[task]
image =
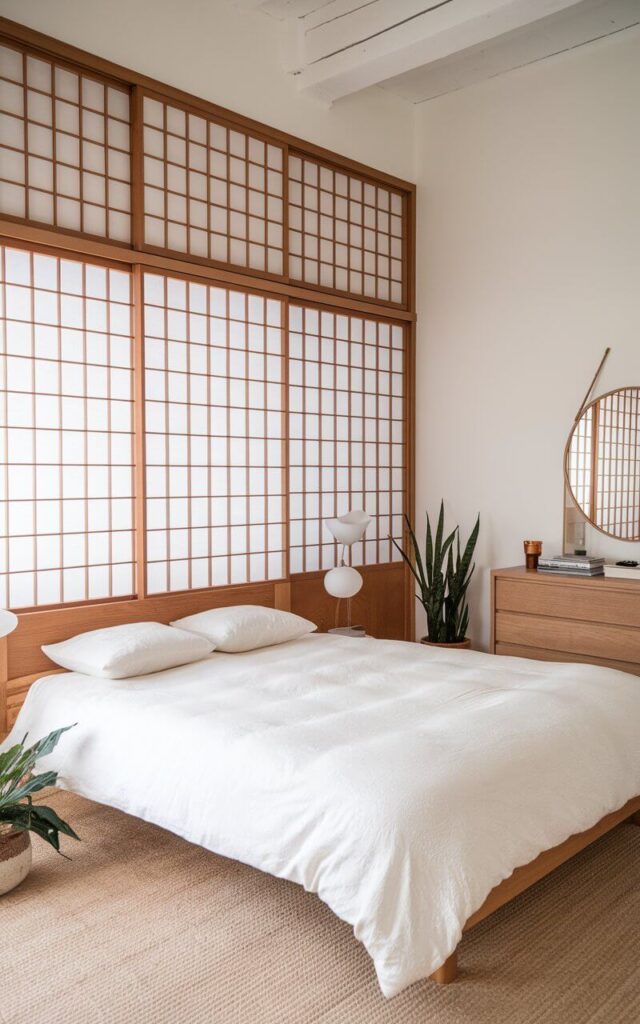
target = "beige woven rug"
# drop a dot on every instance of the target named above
(143, 928)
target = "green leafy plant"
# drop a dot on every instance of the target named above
(442, 577)
(18, 784)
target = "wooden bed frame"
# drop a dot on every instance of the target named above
(22, 663)
(527, 875)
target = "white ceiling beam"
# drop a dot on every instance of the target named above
(343, 50)
(556, 34)
(284, 9)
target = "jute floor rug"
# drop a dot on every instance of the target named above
(143, 928)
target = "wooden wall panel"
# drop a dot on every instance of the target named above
(379, 607)
(50, 626)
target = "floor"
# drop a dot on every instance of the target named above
(140, 926)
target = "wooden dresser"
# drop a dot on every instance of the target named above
(564, 618)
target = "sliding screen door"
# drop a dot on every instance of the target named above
(214, 412)
(346, 433)
(66, 431)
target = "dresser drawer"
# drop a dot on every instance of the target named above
(597, 639)
(568, 602)
(541, 654)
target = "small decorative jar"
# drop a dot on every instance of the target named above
(532, 552)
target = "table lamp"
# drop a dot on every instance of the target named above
(343, 581)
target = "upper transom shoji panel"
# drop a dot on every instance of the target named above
(64, 147)
(345, 233)
(211, 190)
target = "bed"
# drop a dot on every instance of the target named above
(413, 789)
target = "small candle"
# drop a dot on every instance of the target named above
(532, 552)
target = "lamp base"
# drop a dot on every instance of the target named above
(348, 631)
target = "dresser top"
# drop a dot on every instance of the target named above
(520, 572)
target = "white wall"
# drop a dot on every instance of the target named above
(529, 265)
(231, 56)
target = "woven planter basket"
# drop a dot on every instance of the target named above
(462, 645)
(15, 859)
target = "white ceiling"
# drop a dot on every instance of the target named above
(423, 48)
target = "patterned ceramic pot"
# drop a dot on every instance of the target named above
(463, 645)
(15, 859)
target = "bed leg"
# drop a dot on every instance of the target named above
(635, 819)
(448, 972)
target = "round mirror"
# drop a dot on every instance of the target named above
(602, 463)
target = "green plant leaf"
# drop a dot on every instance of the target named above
(33, 785)
(437, 557)
(48, 815)
(45, 831)
(408, 562)
(428, 547)
(48, 743)
(416, 554)
(469, 549)
(9, 758)
(20, 760)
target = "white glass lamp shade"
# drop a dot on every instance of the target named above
(349, 528)
(8, 622)
(343, 581)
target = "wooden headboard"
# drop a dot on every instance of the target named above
(384, 606)
(22, 661)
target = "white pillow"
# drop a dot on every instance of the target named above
(245, 627)
(133, 649)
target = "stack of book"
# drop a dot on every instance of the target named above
(572, 565)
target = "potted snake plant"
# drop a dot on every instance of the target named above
(19, 816)
(442, 575)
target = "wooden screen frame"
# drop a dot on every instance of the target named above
(137, 258)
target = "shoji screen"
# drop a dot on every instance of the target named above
(346, 433)
(211, 190)
(345, 233)
(64, 147)
(214, 409)
(206, 325)
(66, 449)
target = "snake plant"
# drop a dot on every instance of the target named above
(17, 786)
(442, 575)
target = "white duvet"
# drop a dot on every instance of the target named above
(399, 782)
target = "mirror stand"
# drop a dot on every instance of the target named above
(574, 534)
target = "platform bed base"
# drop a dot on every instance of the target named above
(527, 875)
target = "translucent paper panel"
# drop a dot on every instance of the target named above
(344, 233)
(214, 435)
(617, 497)
(210, 190)
(346, 436)
(66, 443)
(64, 147)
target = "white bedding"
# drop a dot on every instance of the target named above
(399, 782)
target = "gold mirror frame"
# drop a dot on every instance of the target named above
(589, 409)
